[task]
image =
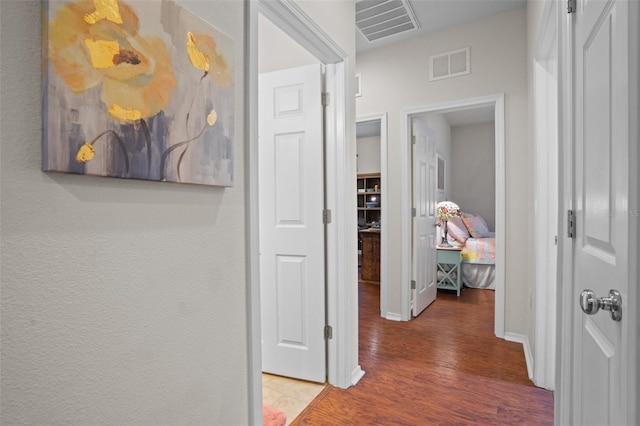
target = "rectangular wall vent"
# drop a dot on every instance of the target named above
(376, 19)
(450, 64)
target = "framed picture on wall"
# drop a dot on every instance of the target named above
(440, 173)
(137, 90)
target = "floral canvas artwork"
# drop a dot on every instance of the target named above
(137, 89)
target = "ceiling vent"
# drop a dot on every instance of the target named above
(378, 19)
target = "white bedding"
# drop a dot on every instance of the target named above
(477, 275)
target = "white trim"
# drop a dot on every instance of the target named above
(546, 208)
(392, 316)
(288, 16)
(252, 220)
(356, 375)
(405, 198)
(342, 312)
(526, 348)
(384, 208)
(564, 338)
(633, 338)
(501, 219)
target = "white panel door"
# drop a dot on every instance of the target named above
(602, 191)
(291, 228)
(424, 229)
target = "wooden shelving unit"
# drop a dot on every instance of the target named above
(369, 198)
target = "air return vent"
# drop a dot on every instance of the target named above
(450, 64)
(377, 19)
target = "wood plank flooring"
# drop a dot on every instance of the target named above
(445, 367)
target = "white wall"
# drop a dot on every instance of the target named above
(397, 77)
(473, 179)
(368, 154)
(123, 302)
(277, 50)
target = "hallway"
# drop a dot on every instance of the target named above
(444, 367)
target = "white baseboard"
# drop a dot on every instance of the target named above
(528, 356)
(356, 375)
(393, 316)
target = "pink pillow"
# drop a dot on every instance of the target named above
(457, 230)
(477, 226)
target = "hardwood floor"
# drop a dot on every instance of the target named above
(445, 367)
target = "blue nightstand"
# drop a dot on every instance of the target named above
(448, 272)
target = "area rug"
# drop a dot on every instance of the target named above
(272, 416)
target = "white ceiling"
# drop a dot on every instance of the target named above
(436, 15)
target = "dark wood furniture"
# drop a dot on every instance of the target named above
(370, 271)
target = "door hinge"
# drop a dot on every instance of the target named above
(413, 212)
(571, 6)
(328, 332)
(413, 284)
(571, 224)
(413, 140)
(325, 99)
(326, 216)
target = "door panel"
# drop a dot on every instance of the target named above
(291, 228)
(601, 189)
(424, 230)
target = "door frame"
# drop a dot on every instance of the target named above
(497, 101)
(384, 208)
(547, 214)
(340, 266)
(565, 327)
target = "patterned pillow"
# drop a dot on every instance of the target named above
(477, 226)
(457, 230)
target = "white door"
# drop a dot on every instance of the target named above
(424, 221)
(603, 190)
(291, 227)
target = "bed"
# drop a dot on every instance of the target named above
(478, 249)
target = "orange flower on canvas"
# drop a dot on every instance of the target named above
(96, 42)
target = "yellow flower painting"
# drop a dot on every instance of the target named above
(137, 89)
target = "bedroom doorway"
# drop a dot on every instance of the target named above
(496, 102)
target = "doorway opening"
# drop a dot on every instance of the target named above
(496, 102)
(340, 264)
(372, 130)
(291, 201)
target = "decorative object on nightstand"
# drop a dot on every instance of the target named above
(445, 210)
